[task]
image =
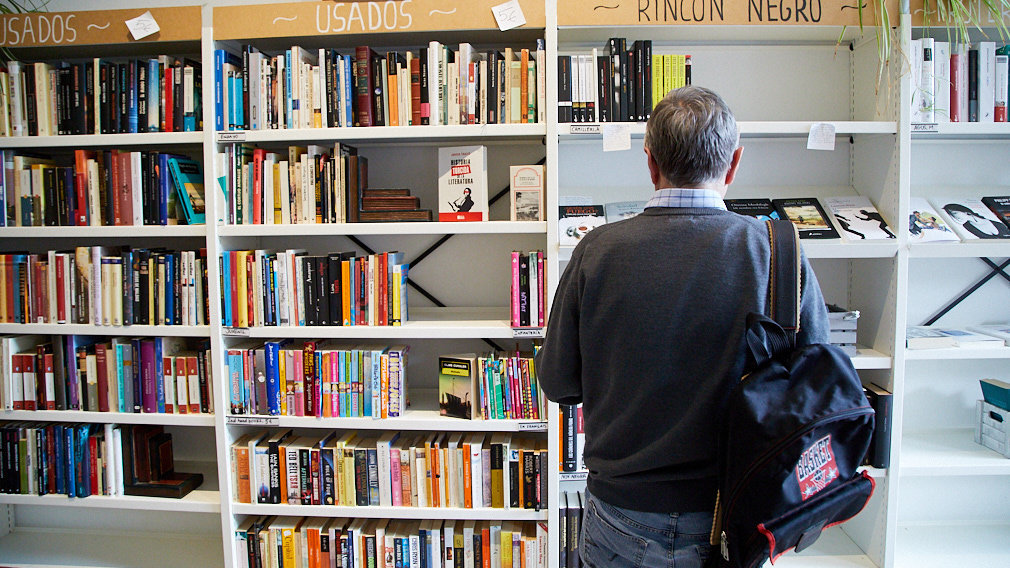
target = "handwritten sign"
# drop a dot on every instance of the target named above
(96, 27)
(509, 15)
(532, 426)
(821, 136)
(584, 129)
(527, 332)
(616, 136)
(925, 127)
(237, 136)
(722, 12)
(373, 16)
(235, 331)
(143, 25)
(253, 420)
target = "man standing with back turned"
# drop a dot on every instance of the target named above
(646, 330)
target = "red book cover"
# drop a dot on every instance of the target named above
(415, 91)
(81, 158)
(381, 291)
(192, 373)
(93, 461)
(125, 188)
(257, 185)
(51, 458)
(28, 368)
(181, 378)
(363, 86)
(114, 190)
(314, 475)
(166, 371)
(471, 79)
(169, 124)
(102, 366)
(309, 369)
(61, 296)
(17, 370)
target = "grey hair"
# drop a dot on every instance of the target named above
(692, 135)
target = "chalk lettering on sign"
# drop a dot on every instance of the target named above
(283, 19)
(682, 10)
(445, 12)
(52, 28)
(606, 7)
(795, 11)
(98, 27)
(337, 17)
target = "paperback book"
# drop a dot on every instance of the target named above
(808, 216)
(188, 178)
(457, 382)
(462, 183)
(761, 209)
(526, 185)
(574, 221)
(971, 219)
(1000, 206)
(929, 337)
(857, 218)
(619, 210)
(925, 225)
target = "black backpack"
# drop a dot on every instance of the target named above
(795, 430)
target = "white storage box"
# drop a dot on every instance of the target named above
(991, 429)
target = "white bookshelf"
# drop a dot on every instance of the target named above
(951, 452)
(158, 139)
(392, 512)
(748, 128)
(427, 134)
(118, 232)
(83, 329)
(205, 420)
(55, 548)
(419, 228)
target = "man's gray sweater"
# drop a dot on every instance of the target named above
(646, 330)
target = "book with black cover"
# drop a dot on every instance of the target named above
(880, 443)
(808, 216)
(174, 486)
(1000, 207)
(759, 208)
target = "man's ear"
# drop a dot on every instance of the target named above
(653, 168)
(733, 165)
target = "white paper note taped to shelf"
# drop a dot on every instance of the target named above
(253, 420)
(821, 137)
(143, 25)
(509, 15)
(616, 136)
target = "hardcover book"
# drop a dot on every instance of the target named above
(925, 225)
(618, 210)
(462, 183)
(1000, 206)
(760, 209)
(808, 216)
(857, 218)
(457, 386)
(971, 219)
(574, 221)
(526, 185)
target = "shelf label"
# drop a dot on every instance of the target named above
(532, 426)
(368, 17)
(92, 27)
(584, 129)
(235, 331)
(573, 476)
(237, 136)
(253, 420)
(925, 127)
(527, 332)
(720, 12)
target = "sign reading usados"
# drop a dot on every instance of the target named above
(339, 17)
(36, 29)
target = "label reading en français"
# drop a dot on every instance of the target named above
(533, 427)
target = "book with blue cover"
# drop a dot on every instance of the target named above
(188, 179)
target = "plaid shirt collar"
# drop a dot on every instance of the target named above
(681, 197)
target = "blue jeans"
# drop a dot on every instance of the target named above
(617, 537)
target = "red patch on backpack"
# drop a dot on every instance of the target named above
(816, 468)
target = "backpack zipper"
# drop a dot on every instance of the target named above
(791, 438)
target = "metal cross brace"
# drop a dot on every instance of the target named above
(441, 241)
(993, 271)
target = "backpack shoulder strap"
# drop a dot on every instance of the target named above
(784, 276)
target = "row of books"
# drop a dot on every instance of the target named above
(81, 460)
(100, 96)
(109, 187)
(165, 375)
(529, 289)
(264, 288)
(313, 542)
(391, 469)
(573, 438)
(504, 385)
(324, 379)
(959, 219)
(302, 88)
(617, 83)
(113, 286)
(957, 82)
